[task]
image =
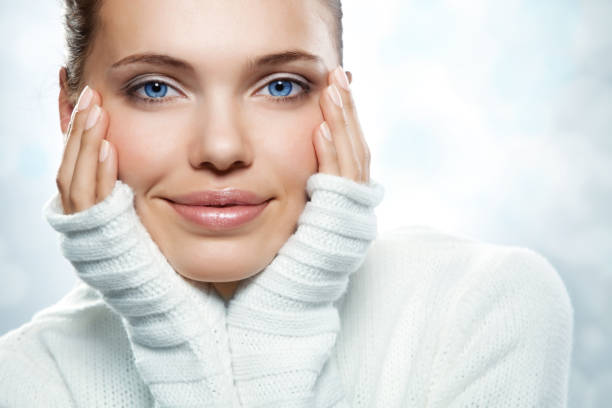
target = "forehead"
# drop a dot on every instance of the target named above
(214, 30)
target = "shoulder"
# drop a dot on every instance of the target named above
(429, 266)
(465, 281)
(417, 256)
(80, 306)
(429, 253)
(64, 344)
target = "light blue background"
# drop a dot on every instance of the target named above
(487, 118)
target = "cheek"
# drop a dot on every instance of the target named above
(285, 141)
(144, 144)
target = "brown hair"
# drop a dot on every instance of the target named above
(80, 25)
(335, 7)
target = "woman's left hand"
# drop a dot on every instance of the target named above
(339, 142)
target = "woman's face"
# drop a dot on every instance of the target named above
(185, 84)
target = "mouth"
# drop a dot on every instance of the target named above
(219, 217)
(219, 198)
(212, 206)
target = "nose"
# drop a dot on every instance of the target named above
(221, 141)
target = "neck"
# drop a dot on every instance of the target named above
(226, 289)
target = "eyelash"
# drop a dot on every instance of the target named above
(131, 91)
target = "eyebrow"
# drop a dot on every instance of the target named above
(283, 58)
(152, 59)
(267, 60)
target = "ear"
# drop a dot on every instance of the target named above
(66, 106)
(349, 74)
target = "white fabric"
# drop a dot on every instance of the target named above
(418, 318)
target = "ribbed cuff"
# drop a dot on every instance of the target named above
(117, 202)
(333, 235)
(366, 195)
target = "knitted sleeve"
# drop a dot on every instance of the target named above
(282, 324)
(170, 323)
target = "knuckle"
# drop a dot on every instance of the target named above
(332, 148)
(348, 101)
(69, 131)
(86, 137)
(78, 197)
(78, 120)
(360, 169)
(72, 121)
(72, 203)
(356, 171)
(367, 155)
(345, 118)
(59, 182)
(75, 125)
(72, 198)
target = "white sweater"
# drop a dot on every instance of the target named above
(426, 319)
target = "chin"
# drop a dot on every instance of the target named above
(217, 276)
(225, 261)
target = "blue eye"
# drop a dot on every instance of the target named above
(280, 88)
(155, 89)
(285, 90)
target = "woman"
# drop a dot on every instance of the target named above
(214, 198)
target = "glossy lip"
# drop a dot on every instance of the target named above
(219, 210)
(218, 198)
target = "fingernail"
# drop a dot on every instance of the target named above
(325, 131)
(104, 150)
(92, 118)
(341, 78)
(84, 99)
(334, 94)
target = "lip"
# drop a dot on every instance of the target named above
(219, 197)
(219, 210)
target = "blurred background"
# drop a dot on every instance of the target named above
(485, 118)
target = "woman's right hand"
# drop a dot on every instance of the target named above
(88, 171)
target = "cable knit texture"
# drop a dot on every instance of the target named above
(415, 317)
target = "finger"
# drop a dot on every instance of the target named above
(360, 145)
(334, 116)
(106, 175)
(72, 145)
(83, 186)
(325, 150)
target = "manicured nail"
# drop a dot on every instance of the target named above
(341, 78)
(84, 99)
(104, 150)
(325, 131)
(92, 118)
(334, 94)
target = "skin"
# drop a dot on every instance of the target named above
(217, 127)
